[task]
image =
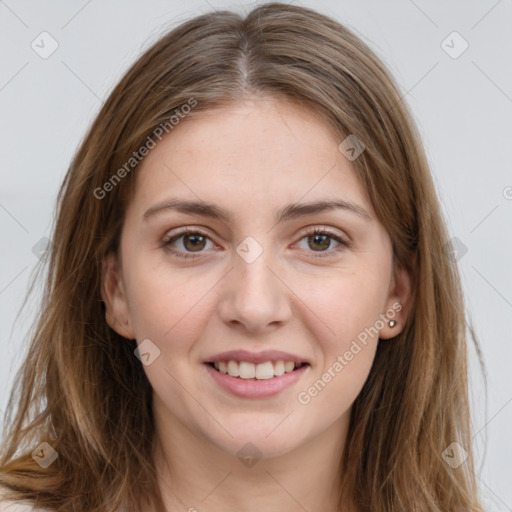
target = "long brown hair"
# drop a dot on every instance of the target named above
(80, 388)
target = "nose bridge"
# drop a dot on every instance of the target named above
(254, 296)
(252, 270)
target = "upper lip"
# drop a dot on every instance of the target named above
(256, 357)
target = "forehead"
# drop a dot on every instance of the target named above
(256, 130)
(260, 153)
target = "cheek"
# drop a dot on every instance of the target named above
(347, 307)
(347, 304)
(167, 306)
(345, 312)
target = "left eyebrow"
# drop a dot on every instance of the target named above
(290, 211)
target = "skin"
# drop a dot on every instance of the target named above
(251, 159)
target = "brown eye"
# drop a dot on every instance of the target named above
(194, 242)
(319, 241)
(186, 243)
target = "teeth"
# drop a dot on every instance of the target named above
(265, 370)
(289, 366)
(261, 371)
(278, 368)
(247, 370)
(233, 369)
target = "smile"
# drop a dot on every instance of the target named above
(262, 371)
(255, 380)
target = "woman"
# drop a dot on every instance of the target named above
(250, 302)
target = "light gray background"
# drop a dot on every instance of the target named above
(463, 107)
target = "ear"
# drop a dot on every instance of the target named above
(397, 305)
(117, 313)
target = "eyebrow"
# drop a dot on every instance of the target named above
(290, 211)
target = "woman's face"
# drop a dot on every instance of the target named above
(252, 278)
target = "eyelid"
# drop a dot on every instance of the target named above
(342, 239)
(186, 230)
(312, 228)
(306, 230)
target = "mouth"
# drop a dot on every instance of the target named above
(259, 380)
(248, 371)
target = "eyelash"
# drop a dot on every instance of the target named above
(166, 243)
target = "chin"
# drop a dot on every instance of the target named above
(258, 441)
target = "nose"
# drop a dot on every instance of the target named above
(254, 296)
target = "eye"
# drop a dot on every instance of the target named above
(319, 241)
(193, 241)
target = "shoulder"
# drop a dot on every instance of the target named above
(19, 506)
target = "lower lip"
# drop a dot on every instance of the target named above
(252, 388)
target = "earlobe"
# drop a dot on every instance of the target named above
(398, 305)
(117, 314)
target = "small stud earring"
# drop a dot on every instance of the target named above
(392, 323)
